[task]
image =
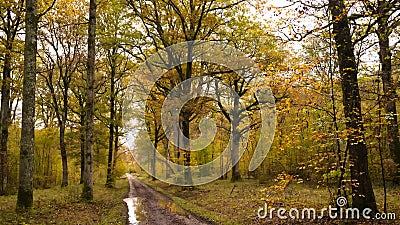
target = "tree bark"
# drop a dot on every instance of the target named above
(168, 158)
(64, 116)
(10, 28)
(153, 160)
(236, 133)
(87, 192)
(63, 151)
(5, 120)
(25, 188)
(363, 194)
(110, 180)
(116, 148)
(61, 119)
(82, 138)
(389, 89)
(177, 152)
(186, 114)
(235, 142)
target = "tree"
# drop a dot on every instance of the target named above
(385, 28)
(264, 51)
(154, 129)
(61, 39)
(111, 55)
(77, 107)
(363, 194)
(11, 15)
(170, 22)
(114, 29)
(25, 189)
(87, 192)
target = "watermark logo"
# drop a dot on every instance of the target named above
(341, 201)
(330, 212)
(219, 55)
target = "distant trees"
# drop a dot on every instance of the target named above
(163, 30)
(114, 33)
(61, 57)
(197, 20)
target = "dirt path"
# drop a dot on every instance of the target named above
(158, 208)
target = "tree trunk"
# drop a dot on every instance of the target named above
(25, 188)
(110, 180)
(186, 119)
(5, 120)
(363, 194)
(87, 192)
(64, 182)
(61, 115)
(116, 148)
(235, 142)
(168, 157)
(186, 154)
(177, 152)
(83, 144)
(153, 161)
(62, 136)
(389, 89)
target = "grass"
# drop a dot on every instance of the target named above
(223, 202)
(63, 206)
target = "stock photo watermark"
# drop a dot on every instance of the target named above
(193, 87)
(340, 211)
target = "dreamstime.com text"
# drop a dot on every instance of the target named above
(330, 212)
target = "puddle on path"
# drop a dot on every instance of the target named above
(135, 210)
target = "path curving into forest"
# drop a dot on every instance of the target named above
(147, 206)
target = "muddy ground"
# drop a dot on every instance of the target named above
(156, 208)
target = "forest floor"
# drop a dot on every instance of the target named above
(63, 206)
(220, 202)
(223, 202)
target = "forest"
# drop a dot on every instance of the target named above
(199, 112)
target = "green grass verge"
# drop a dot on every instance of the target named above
(223, 202)
(205, 213)
(63, 206)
